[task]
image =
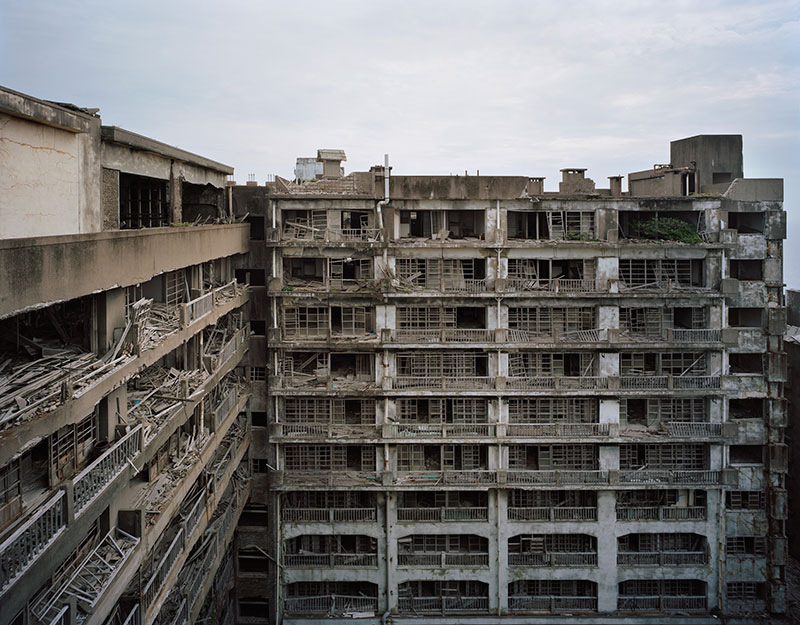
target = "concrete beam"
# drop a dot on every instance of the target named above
(40, 271)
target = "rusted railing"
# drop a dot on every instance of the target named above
(667, 476)
(330, 560)
(443, 560)
(426, 430)
(559, 558)
(542, 513)
(565, 477)
(329, 605)
(660, 604)
(546, 603)
(329, 515)
(563, 430)
(655, 513)
(687, 429)
(443, 604)
(662, 558)
(155, 584)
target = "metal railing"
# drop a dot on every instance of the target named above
(660, 603)
(687, 429)
(351, 234)
(443, 383)
(662, 558)
(480, 476)
(565, 430)
(562, 382)
(330, 560)
(443, 560)
(667, 476)
(467, 335)
(197, 308)
(29, 541)
(443, 604)
(90, 482)
(329, 605)
(425, 515)
(571, 513)
(324, 430)
(227, 403)
(195, 515)
(154, 585)
(557, 558)
(425, 430)
(669, 382)
(464, 286)
(565, 477)
(572, 285)
(546, 603)
(682, 335)
(655, 513)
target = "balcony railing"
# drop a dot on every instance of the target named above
(155, 584)
(669, 382)
(565, 477)
(660, 604)
(560, 558)
(552, 514)
(329, 605)
(330, 560)
(325, 430)
(693, 430)
(223, 408)
(442, 430)
(351, 234)
(662, 558)
(443, 560)
(563, 382)
(667, 476)
(539, 603)
(329, 515)
(443, 604)
(29, 541)
(682, 335)
(90, 482)
(655, 513)
(436, 515)
(447, 477)
(198, 308)
(560, 430)
(464, 286)
(565, 285)
(443, 383)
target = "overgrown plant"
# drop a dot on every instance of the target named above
(669, 229)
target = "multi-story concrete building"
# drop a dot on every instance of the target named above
(123, 387)
(482, 400)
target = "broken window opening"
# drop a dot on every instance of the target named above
(551, 457)
(528, 225)
(688, 456)
(660, 273)
(143, 202)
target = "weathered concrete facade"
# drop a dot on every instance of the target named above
(124, 393)
(487, 403)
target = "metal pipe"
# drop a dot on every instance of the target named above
(385, 199)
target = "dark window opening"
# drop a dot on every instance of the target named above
(256, 227)
(746, 223)
(258, 327)
(254, 515)
(745, 317)
(471, 318)
(254, 607)
(253, 277)
(746, 409)
(637, 411)
(747, 270)
(143, 202)
(259, 419)
(746, 363)
(720, 177)
(747, 454)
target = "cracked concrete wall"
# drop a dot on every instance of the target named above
(47, 181)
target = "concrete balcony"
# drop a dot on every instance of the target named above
(442, 515)
(330, 560)
(553, 559)
(555, 605)
(73, 393)
(661, 513)
(443, 560)
(427, 336)
(660, 604)
(298, 232)
(662, 558)
(333, 479)
(551, 514)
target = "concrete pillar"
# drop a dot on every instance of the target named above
(113, 411)
(609, 411)
(110, 316)
(498, 516)
(606, 550)
(176, 193)
(609, 457)
(391, 528)
(608, 365)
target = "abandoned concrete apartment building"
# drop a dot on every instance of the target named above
(408, 399)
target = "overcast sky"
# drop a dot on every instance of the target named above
(503, 87)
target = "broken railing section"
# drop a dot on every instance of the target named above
(90, 578)
(222, 340)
